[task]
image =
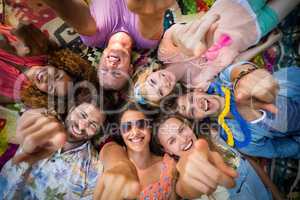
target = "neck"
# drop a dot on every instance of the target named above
(72, 145)
(121, 39)
(142, 159)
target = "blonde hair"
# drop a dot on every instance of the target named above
(140, 77)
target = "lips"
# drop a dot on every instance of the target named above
(204, 104)
(76, 131)
(40, 76)
(188, 145)
(136, 140)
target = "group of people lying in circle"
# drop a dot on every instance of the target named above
(159, 150)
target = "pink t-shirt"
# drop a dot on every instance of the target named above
(113, 16)
(11, 79)
(237, 20)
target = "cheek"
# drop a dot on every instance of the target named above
(42, 86)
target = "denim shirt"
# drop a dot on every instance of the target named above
(275, 135)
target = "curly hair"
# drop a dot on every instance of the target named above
(66, 60)
(35, 39)
(74, 65)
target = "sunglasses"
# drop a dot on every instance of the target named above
(125, 127)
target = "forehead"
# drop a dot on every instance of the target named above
(131, 115)
(170, 126)
(92, 111)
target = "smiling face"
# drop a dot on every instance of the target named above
(135, 131)
(51, 80)
(175, 136)
(114, 68)
(198, 105)
(159, 84)
(84, 122)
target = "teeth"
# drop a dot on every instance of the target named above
(188, 146)
(113, 58)
(136, 140)
(76, 130)
(206, 105)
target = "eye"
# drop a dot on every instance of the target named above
(161, 93)
(163, 75)
(153, 81)
(181, 129)
(83, 115)
(192, 112)
(172, 141)
(191, 99)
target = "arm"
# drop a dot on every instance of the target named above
(119, 179)
(251, 53)
(76, 15)
(38, 135)
(201, 171)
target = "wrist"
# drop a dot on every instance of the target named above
(241, 72)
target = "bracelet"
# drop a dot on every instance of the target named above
(242, 74)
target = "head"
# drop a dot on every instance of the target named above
(199, 105)
(114, 69)
(153, 84)
(64, 67)
(158, 85)
(51, 80)
(135, 130)
(175, 135)
(83, 122)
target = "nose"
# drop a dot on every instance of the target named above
(82, 124)
(111, 64)
(181, 138)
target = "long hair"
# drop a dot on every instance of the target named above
(227, 155)
(152, 145)
(75, 66)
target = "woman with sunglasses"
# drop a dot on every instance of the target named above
(156, 173)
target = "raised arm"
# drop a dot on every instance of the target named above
(76, 13)
(251, 53)
(201, 171)
(119, 180)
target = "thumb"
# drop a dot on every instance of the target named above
(201, 146)
(266, 106)
(132, 191)
(199, 49)
(99, 189)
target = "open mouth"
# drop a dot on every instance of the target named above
(40, 76)
(188, 146)
(113, 58)
(205, 104)
(76, 131)
(136, 140)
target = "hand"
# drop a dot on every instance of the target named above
(258, 88)
(118, 183)
(201, 171)
(193, 37)
(38, 135)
